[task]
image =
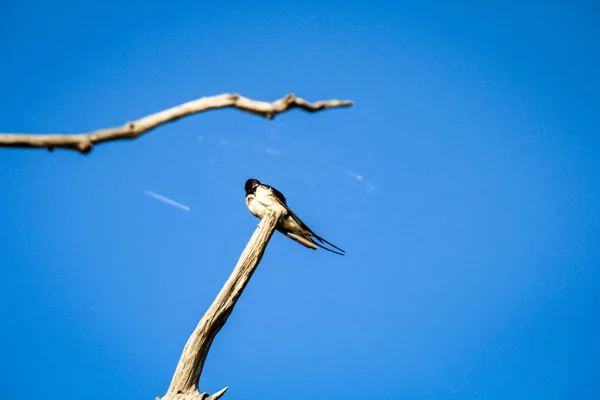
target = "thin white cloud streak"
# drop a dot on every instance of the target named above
(356, 176)
(166, 200)
(370, 187)
(272, 152)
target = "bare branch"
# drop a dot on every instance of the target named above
(85, 141)
(185, 382)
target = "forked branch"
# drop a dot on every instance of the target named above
(84, 142)
(185, 382)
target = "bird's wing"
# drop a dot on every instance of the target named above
(279, 196)
(277, 193)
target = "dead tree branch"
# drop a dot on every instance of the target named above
(85, 141)
(185, 382)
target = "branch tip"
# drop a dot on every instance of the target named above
(218, 394)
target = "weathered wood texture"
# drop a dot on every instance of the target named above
(184, 385)
(84, 142)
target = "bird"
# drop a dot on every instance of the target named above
(261, 197)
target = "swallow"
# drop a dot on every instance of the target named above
(261, 197)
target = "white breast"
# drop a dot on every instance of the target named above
(255, 206)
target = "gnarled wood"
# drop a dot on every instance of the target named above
(84, 142)
(184, 385)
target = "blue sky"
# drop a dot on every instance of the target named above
(464, 186)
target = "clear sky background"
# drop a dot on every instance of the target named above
(464, 186)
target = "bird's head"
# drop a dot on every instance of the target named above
(251, 185)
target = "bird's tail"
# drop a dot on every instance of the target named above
(311, 244)
(320, 239)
